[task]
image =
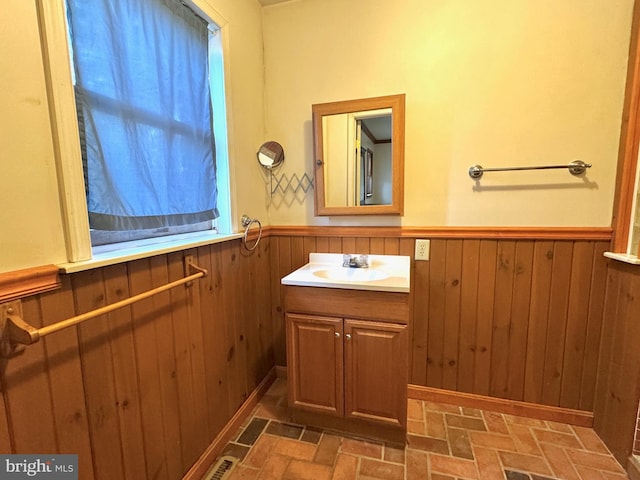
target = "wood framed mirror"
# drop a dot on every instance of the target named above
(359, 156)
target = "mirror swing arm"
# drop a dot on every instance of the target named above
(327, 173)
(270, 156)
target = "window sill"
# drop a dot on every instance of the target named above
(108, 255)
(623, 257)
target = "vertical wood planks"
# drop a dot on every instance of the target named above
(189, 421)
(377, 246)
(142, 391)
(594, 327)
(577, 319)
(516, 319)
(502, 304)
(335, 245)
(538, 321)
(145, 342)
(236, 357)
(65, 373)
(420, 324)
(5, 433)
(276, 315)
(99, 377)
(298, 257)
(363, 245)
(520, 305)
(322, 244)
(196, 353)
(392, 246)
(484, 327)
(556, 330)
(166, 360)
(468, 314)
(309, 245)
(616, 316)
(125, 376)
(451, 328)
(437, 313)
(618, 388)
(214, 338)
(264, 354)
(251, 291)
(245, 288)
(348, 245)
(27, 394)
(406, 247)
(282, 268)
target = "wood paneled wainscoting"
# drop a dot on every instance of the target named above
(618, 392)
(140, 393)
(508, 313)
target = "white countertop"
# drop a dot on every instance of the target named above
(386, 273)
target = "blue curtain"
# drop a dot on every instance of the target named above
(144, 111)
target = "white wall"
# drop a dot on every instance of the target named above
(30, 222)
(31, 232)
(493, 82)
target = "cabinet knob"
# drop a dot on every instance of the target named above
(337, 334)
(348, 336)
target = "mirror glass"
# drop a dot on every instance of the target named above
(359, 147)
(270, 154)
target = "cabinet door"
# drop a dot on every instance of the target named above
(314, 363)
(376, 371)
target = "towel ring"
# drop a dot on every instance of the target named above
(246, 223)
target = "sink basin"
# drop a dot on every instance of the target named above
(351, 274)
(386, 273)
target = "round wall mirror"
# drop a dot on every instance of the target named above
(271, 155)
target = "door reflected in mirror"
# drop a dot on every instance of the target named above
(359, 147)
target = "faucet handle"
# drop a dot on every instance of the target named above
(355, 261)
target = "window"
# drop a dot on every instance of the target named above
(149, 92)
(626, 241)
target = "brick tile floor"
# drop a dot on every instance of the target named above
(444, 442)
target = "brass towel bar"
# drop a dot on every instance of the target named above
(14, 331)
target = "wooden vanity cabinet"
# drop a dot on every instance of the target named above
(347, 359)
(375, 371)
(314, 363)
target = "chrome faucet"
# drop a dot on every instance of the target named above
(355, 261)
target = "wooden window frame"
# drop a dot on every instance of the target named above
(629, 146)
(66, 137)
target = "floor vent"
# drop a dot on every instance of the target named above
(222, 468)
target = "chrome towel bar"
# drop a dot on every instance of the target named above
(577, 167)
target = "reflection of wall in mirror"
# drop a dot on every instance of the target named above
(382, 178)
(381, 187)
(335, 132)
